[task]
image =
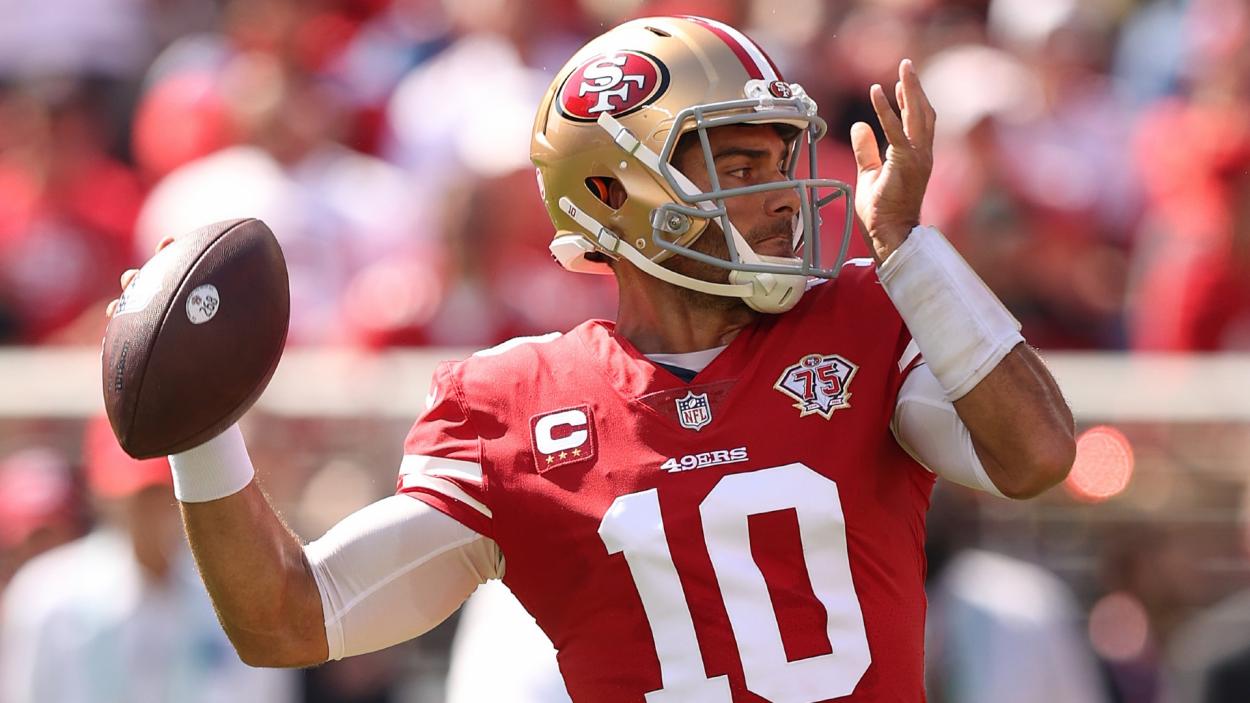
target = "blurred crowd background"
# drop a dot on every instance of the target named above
(1093, 164)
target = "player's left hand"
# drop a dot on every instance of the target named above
(888, 194)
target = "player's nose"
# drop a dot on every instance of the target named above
(782, 203)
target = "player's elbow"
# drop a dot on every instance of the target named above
(1045, 465)
(268, 660)
(275, 650)
(285, 632)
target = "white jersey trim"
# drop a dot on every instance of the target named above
(434, 473)
(515, 342)
(446, 488)
(694, 361)
(469, 471)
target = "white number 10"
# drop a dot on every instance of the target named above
(633, 526)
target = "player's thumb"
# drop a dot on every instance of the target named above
(864, 144)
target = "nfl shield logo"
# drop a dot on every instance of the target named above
(694, 412)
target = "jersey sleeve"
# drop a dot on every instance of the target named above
(927, 427)
(393, 570)
(442, 464)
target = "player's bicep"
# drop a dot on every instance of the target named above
(927, 426)
(393, 570)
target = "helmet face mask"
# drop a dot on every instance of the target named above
(619, 109)
(711, 204)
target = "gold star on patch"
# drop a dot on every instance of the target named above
(577, 452)
(564, 455)
(550, 459)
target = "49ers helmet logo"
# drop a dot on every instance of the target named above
(618, 83)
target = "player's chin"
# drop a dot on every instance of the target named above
(775, 246)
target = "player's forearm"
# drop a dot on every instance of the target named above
(258, 579)
(1016, 416)
(253, 566)
(1020, 424)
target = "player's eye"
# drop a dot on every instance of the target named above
(739, 173)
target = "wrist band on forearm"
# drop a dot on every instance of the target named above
(960, 326)
(218, 468)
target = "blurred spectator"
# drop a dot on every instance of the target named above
(1209, 658)
(276, 108)
(67, 211)
(336, 212)
(1152, 583)
(999, 628)
(473, 157)
(495, 628)
(121, 615)
(1149, 53)
(467, 112)
(75, 38)
(504, 282)
(1229, 681)
(38, 507)
(1031, 179)
(1192, 274)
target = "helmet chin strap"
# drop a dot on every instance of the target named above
(765, 292)
(614, 244)
(771, 292)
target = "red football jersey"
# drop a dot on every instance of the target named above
(754, 535)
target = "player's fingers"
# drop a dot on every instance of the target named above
(864, 144)
(127, 276)
(164, 243)
(919, 115)
(890, 123)
(914, 122)
(108, 310)
(901, 98)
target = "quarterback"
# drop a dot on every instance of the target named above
(720, 496)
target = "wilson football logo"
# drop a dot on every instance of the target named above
(819, 384)
(618, 84)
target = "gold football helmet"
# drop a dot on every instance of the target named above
(617, 110)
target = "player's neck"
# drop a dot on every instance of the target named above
(658, 318)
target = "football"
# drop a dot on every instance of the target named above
(195, 338)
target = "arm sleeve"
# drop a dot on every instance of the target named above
(442, 465)
(928, 428)
(393, 570)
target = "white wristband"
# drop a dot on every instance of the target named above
(960, 326)
(217, 468)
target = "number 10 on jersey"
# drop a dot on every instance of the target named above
(634, 527)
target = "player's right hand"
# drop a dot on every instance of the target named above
(129, 275)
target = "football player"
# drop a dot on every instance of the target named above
(719, 497)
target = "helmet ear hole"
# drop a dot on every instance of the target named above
(602, 188)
